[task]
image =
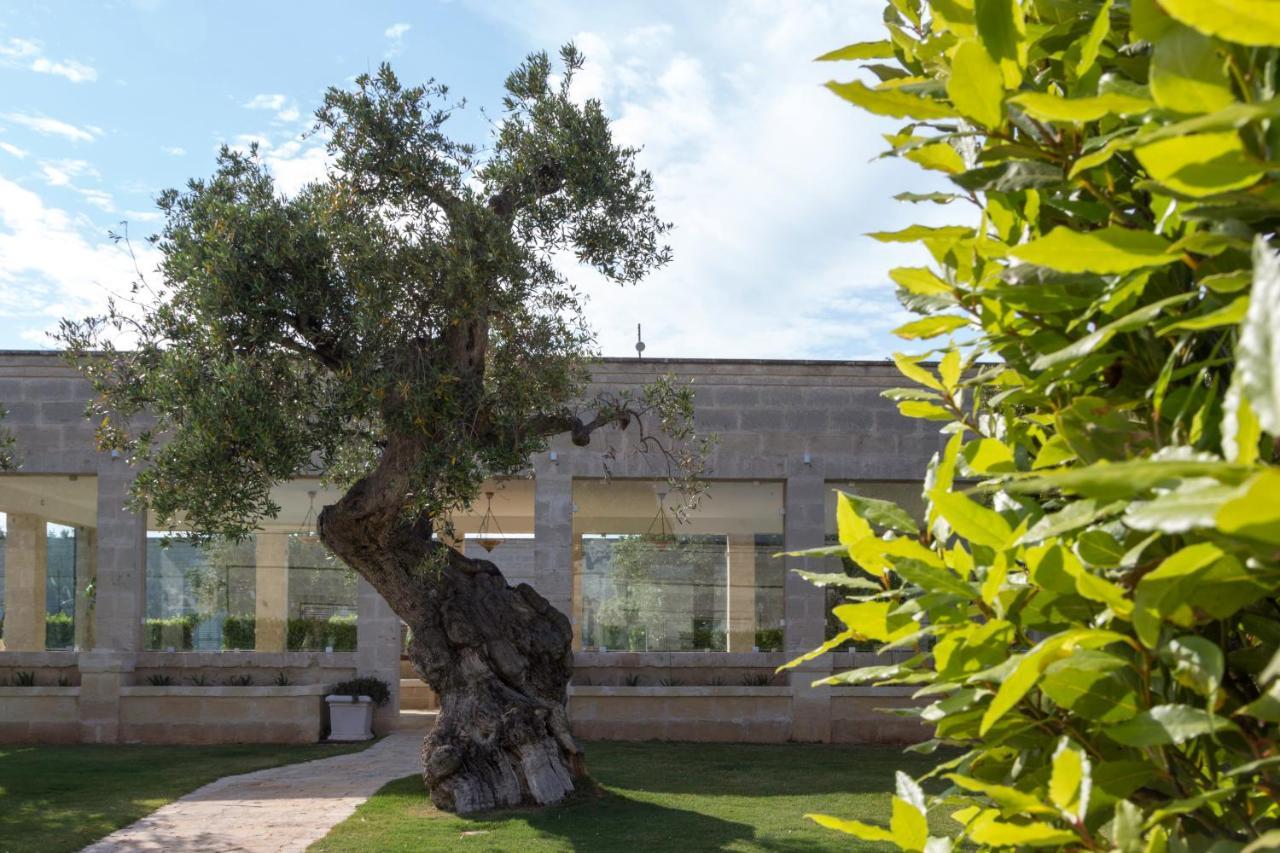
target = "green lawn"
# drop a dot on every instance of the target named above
(660, 796)
(55, 798)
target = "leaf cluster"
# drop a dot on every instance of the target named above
(1092, 596)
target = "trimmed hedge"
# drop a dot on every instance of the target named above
(301, 634)
(59, 631)
(177, 632)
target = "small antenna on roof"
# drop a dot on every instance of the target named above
(639, 343)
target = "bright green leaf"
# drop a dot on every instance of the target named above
(1200, 165)
(1187, 73)
(891, 102)
(1166, 724)
(1098, 31)
(930, 327)
(1256, 512)
(1070, 779)
(1252, 22)
(1108, 250)
(859, 50)
(976, 85)
(1054, 108)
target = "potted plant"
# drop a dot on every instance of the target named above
(351, 705)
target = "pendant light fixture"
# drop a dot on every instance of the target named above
(660, 534)
(490, 533)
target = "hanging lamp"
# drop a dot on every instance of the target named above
(490, 533)
(662, 536)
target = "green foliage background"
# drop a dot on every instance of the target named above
(1093, 596)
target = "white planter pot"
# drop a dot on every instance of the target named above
(350, 717)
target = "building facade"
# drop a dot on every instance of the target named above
(116, 631)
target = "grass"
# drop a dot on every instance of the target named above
(660, 796)
(55, 798)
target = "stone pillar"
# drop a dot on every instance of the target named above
(271, 591)
(576, 573)
(119, 607)
(378, 650)
(86, 582)
(741, 603)
(553, 538)
(26, 570)
(805, 608)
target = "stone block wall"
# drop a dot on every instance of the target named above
(805, 424)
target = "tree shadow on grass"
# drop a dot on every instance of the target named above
(610, 821)
(754, 770)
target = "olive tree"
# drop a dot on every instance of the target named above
(1094, 595)
(404, 326)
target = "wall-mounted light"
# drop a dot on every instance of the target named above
(808, 459)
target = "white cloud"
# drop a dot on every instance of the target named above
(53, 127)
(295, 164)
(769, 179)
(395, 35)
(62, 173)
(13, 150)
(54, 265)
(58, 173)
(29, 54)
(284, 108)
(173, 150)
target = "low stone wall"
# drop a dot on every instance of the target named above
(49, 668)
(39, 714)
(205, 715)
(732, 714)
(215, 668)
(858, 716)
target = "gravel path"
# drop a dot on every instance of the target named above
(280, 809)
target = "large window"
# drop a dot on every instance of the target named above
(278, 590)
(47, 561)
(647, 580)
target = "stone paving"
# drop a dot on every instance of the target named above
(279, 809)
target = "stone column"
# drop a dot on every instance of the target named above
(26, 570)
(271, 591)
(553, 539)
(576, 573)
(806, 610)
(86, 581)
(741, 604)
(119, 607)
(378, 650)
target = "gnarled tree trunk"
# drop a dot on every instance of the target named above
(499, 657)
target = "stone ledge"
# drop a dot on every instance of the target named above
(703, 660)
(266, 691)
(37, 660)
(21, 692)
(694, 692)
(244, 659)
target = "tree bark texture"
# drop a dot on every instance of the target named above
(500, 658)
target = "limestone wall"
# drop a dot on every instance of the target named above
(805, 425)
(205, 715)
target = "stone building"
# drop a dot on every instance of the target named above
(132, 635)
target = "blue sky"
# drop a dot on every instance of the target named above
(770, 180)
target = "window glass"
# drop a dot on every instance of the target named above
(278, 590)
(646, 579)
(48, 552)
